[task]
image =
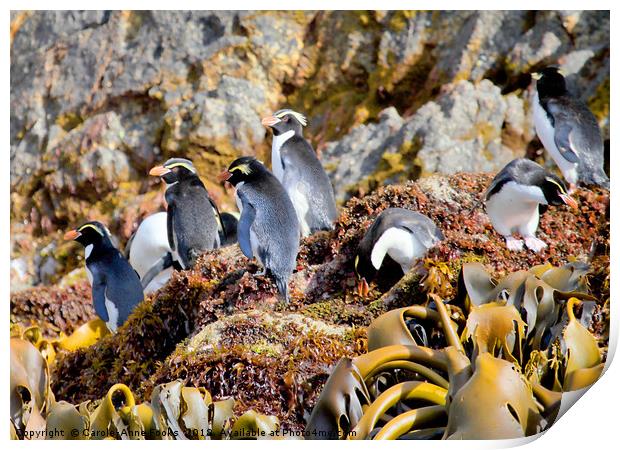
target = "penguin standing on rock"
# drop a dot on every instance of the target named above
(513, 198)
(296, 166)
(403, 235)
(116, 288)
(268, 228)
(192, 224)
(568, 130)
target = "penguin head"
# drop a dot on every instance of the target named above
(554, 190)
(91, 233)
(285, 120)
(364, 271)
(244, 169)
(551, 82)
(174, 170)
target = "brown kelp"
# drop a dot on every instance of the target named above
(175, 411)
(508, 350)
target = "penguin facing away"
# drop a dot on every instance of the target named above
(296, 166)
(568, 130)
(192, 225)
(268, 228)
(149, 252)
(513, 199)
(403, 235)
(116, 288)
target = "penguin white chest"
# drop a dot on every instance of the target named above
(255, 244)
(237, 199)
(401, 245)
(546, 134)
(302, 207)
(149, 243)
(515, 209)
(112, 310)
(276, 158)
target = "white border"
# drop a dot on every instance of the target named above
(591, 424)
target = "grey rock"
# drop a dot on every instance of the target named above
(460, 131)
(540, 45)
(358, 153)
(484, 37)
(46, 265)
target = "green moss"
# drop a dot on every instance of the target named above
(599, 103)
(399, 20)
(455, 264)
(133, 23)
(264, 348)
(396, 167)
(69, 121)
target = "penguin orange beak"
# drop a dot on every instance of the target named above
(269, 121)
(570, 201)
(158, 171)
(71, 235)
(362, 287)
(224, 176)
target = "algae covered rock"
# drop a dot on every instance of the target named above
(461, 131)
(221, 326)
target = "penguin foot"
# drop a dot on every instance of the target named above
(535, 244)
(513, 244)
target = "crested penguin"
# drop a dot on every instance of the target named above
(116, 288)
(513, 198)
(403, 235)
(149, 252)
(268, 228)
(192, 224)
(296, 166)
(568, 130)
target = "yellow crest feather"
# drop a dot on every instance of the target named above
(90, 225)
(181, 164)
(300, 117)
(551, 180)
(243, 168)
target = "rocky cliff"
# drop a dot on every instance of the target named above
(97, 98)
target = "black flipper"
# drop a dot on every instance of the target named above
(563, 141)
(170, 227)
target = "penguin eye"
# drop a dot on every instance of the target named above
(286, 118)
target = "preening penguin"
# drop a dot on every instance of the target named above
(192, 224)
(296, 166)
(403, 235)
(149, 252)
(116, 288)
(268, 228)
(568, 130)
(513, 197)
